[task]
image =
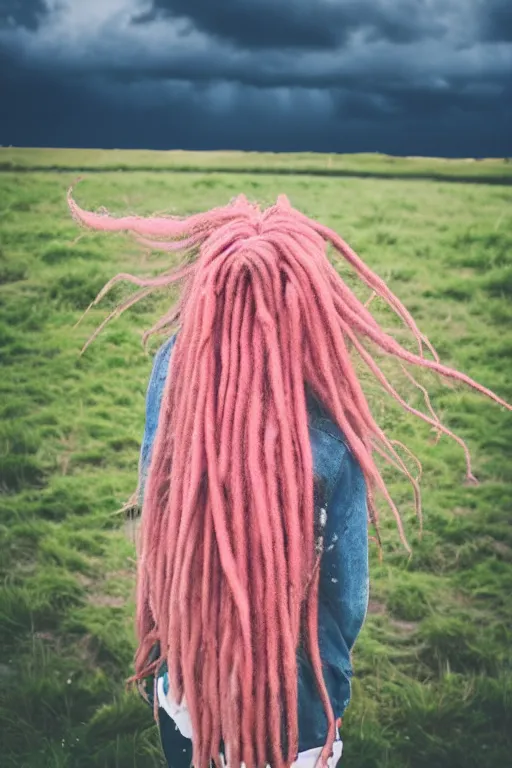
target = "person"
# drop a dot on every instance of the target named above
(258, 480)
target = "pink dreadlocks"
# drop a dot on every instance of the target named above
(228, 570)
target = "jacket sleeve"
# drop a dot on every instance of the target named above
(343, 589)
(153, 402)
(344, 574)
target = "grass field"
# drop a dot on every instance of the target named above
(433, 666)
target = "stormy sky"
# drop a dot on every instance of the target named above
(406, 77)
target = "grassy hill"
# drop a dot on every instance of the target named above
(433, 673)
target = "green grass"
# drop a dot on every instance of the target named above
(433, 673)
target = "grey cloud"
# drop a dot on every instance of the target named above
(496, 21)
(387, 85)
(306, 24)
(22, 13)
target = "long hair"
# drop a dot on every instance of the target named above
(228, 568)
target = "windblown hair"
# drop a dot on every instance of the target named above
(228, 568)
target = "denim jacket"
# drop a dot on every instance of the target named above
(344, 583)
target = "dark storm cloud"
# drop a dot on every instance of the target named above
(22, 13)
(74, 113)
(399, 76)
(308, 24)
(496, 21)
(354, 94)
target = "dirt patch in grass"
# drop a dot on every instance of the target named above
(404, 627)
(106, 601)
(376, 608)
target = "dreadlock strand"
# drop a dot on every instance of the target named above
(257, 481)
(387, 386)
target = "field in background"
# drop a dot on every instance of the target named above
(370, 165)
(433, 672)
